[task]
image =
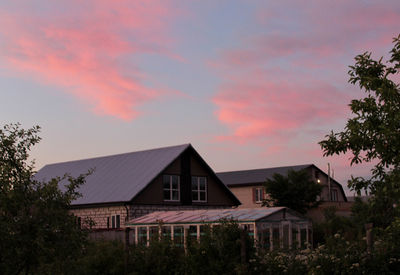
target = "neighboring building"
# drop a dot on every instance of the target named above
(131, 185)
(247, 186)
(274, 227)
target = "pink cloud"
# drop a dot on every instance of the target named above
(290, 78)
(85, 50)
(276, 109)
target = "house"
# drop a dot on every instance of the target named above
(247, 186)
(270, 228)
(130, 185)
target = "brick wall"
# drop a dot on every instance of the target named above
(99, 215)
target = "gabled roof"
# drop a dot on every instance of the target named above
(117, 178)
(243, 177)
(209, 216)
(259, 176)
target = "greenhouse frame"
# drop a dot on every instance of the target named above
(271, 228)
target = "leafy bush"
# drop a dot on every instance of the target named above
(220, 251)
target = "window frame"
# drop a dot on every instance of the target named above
(334, 195)
(170, 189)
(115, 222)
(258, 192)
(198, 191)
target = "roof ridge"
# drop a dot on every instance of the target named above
(255, 169)
(185, 145)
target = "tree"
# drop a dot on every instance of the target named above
(373, 134)
(37, 233)
(296, 190)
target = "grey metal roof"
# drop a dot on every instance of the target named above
(201, 216)
(255, 175)
(117, 178)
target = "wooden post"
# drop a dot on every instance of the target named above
(148, 235)
(136, 235)
(185, 238)
(255, 235)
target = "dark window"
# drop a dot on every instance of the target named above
(178, 236)
(334, 195)
(118, 224)
(171, 187)
(285, 237)
(115, 221)
(264, 239)
(153, 233)
(192, 233)
(303, 238)
(166, 232)
(142, 235)
(295, 241)
(199, 188)
(276, 238)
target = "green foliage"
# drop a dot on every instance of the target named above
(337, 256)
(373, 134)
(334, 224)
(378, 210)
(160, 257)
(37, 233)
(296, 190)
(100, 257)
(219, 251)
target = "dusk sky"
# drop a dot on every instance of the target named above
(250, 84)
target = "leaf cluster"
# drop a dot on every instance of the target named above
(37, 232)
(373, 134)
(296, 190)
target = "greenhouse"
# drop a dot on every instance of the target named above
(271, 228)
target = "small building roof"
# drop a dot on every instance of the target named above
(208, 216)
(117, 178)
(252, 176)
(259, 176)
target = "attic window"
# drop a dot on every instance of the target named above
(199, 189)
(334, 195)
(171, 187)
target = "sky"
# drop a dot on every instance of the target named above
(250, 84)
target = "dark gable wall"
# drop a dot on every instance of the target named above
(216, 194)
(153, 193)
(186, 165)
(324, 180)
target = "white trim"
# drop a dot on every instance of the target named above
(171, 190)
(258, 192)
(198, 191)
